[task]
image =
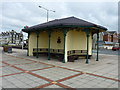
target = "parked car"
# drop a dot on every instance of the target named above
(115, 48)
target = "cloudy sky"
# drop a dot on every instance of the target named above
(15, 15)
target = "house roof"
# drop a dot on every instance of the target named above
(109, 32)
(105, 33)
(70, 21)
(106, 42)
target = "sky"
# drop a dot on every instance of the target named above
(15, 15)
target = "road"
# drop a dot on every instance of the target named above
(105, 51)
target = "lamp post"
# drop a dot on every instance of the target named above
(22, 37)
(12, 33)
(47, 11)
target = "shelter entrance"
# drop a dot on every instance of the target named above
(52, 44)
(56, 45)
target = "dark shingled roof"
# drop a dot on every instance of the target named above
(70, 21)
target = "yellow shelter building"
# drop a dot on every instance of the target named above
(67, 38)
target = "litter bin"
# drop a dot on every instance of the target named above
(7, 49)
(10, 50)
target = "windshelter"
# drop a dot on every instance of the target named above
(69, 38)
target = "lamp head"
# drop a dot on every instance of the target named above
(40, 7)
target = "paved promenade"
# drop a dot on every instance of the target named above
(22, 71)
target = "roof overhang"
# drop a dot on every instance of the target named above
(66, 23)
(33, 29)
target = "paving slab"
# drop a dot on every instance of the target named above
(32, 66)
(55, 73)
(96, 74)
(88, 81)
(9, 70)
(22, 80)
(2, 64)
(18, 61)
(8, 59)
(53, 86)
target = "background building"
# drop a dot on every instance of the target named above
(107, 39)
(110, 36)
(11, 37)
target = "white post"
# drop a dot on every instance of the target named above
(22, 40)
(66, 60)
(65, 47)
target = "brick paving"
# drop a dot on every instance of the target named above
(55, 73)
(90, 82)
(21, 71)
(22, 80)
(32, 66)
(9, 70)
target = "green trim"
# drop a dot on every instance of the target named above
(87, 35)
(49, 36)
(97, 59)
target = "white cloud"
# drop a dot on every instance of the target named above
(15, 15)
(60, 0)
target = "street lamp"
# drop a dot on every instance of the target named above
(47, 11)
(12, 34)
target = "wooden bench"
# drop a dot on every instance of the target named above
(40, 51)
(58, 53)
(75, 54)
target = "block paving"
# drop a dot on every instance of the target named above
(25, 72)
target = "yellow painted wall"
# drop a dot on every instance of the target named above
(76, 40)
(54, 37)
(43, 40)
(32, 43)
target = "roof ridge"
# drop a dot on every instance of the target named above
(62, 18)
(58, 19)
